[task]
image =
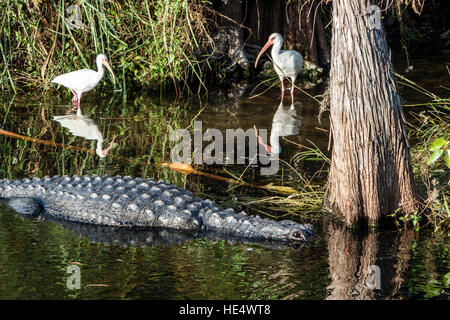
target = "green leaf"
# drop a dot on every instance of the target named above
(446, 278)
(446, 207)
(435, 155)
(447, 158)
(438, 144)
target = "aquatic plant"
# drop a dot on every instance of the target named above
(431, 165)
(440, 149)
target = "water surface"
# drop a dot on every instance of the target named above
(35, 254)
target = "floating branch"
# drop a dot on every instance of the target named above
(187, 169)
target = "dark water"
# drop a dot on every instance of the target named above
(35, 255)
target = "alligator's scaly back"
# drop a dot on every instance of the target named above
(135, 202)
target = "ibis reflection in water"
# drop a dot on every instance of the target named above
(84, 80)
(287, 63)
(286, 122)
(83, 126)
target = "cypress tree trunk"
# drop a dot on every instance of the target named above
(371, 173)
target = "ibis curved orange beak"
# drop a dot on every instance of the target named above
(106, 64)
(267, 45)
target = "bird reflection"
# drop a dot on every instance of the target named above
(81, 125)
(286, 122)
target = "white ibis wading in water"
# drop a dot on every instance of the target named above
(287, 63)
(84, 80)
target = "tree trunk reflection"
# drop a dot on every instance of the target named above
(357, 274)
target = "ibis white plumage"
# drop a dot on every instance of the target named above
(84, 80)
(287, 63)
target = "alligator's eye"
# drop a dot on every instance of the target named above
(297, 235)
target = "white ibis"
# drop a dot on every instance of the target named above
(84, 80)
(83, 126)
(287, 63)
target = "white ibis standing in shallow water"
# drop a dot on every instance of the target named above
(287, 63)
(84, 80)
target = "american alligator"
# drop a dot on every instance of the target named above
(135, 202)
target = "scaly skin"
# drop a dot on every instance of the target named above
(135, 202)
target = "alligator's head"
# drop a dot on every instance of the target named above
(289, 231)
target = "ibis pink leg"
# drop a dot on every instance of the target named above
(75, 102)
(75, 98)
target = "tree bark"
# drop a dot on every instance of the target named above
(371, 173)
